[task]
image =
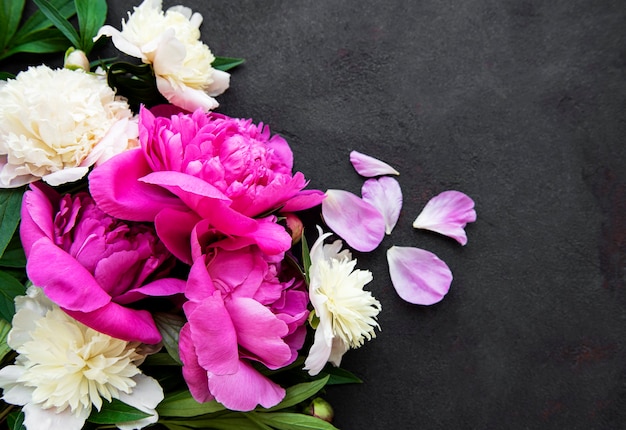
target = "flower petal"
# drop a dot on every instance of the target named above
(195, 376)
(229, 389)
(369, 166)
(386, 196)
(418, 276)
(37, 418)
(185, 97)
(447, 213)
(116, 189)
(146, 395)
(359, 223)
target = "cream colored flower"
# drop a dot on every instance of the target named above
(55, 124)
(347, 313)
(170, 41)
(65, 368)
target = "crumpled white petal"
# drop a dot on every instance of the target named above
(447, 213)
(386, 196)
(146, 395)
(417, 275)
(368, 166)
(37, 418)
(357, 222)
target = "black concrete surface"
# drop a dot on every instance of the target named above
(519, 104)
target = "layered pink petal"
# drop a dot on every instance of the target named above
(116, 188)
(244, 390)
(37, 219)
(386, 196)
(259, 331)
(447, 213)
(214, 336)
(359, 223)
(64, 280)
(160, 288)
(131, 325)
(368, 166)
(174, 228)
(195, 376)
(305, 199)
(418, 276)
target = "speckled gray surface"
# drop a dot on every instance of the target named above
(521, 105)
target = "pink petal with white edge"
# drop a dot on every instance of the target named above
(386, 196)
(418, 276)
(357, 222)
(368, 166)
(447, 213)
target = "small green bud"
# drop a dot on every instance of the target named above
(76, 59)
(321, 409)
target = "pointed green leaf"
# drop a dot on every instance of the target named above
(53, 14)
(13, 258)
(299, 393)
(91, 16)
(41, 42)
(5, 328)
(169, 326)
(38, 21)
(6, 75)
(340, 376)
(226, 63)
(15, 420)
(294, 421)
(182, 404)
(9, 289)
(10, 16)
(10, 206)
(306, 258)
(115, 412)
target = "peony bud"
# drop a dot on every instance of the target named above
(320, 408)
(76, 59)
(294, 227)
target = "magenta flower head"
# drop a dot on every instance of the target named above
(242, 308)
(204, 166)
(92, 265)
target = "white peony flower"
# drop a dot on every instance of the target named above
(170, 41)
(347, 313)
(55, 124)
(65, 368)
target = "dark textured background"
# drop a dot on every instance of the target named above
(519, 104)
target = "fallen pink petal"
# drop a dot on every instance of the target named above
(417, 275)
(357, 222)
(447, 213)
(386, 196)
(369, 166)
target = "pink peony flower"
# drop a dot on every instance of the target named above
(92, 264)
(240, 310)
(204, 166)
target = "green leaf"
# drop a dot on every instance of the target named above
(135, 82)
(6, 75)
(5, 327)
(182, 404)
(115, 412)
(10, 206)
(339, 376)
(15, 420)
(230, 421)
(43, 42)
(10, 16)
(294, 421)
(226, 63)
(38, 21)
(298, 393)
(160, 359)
(169, 326)
(60, 22)
(9, 289)
(91, 16)
(306, 258)
(13, 258)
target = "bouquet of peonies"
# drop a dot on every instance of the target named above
(154, 266)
